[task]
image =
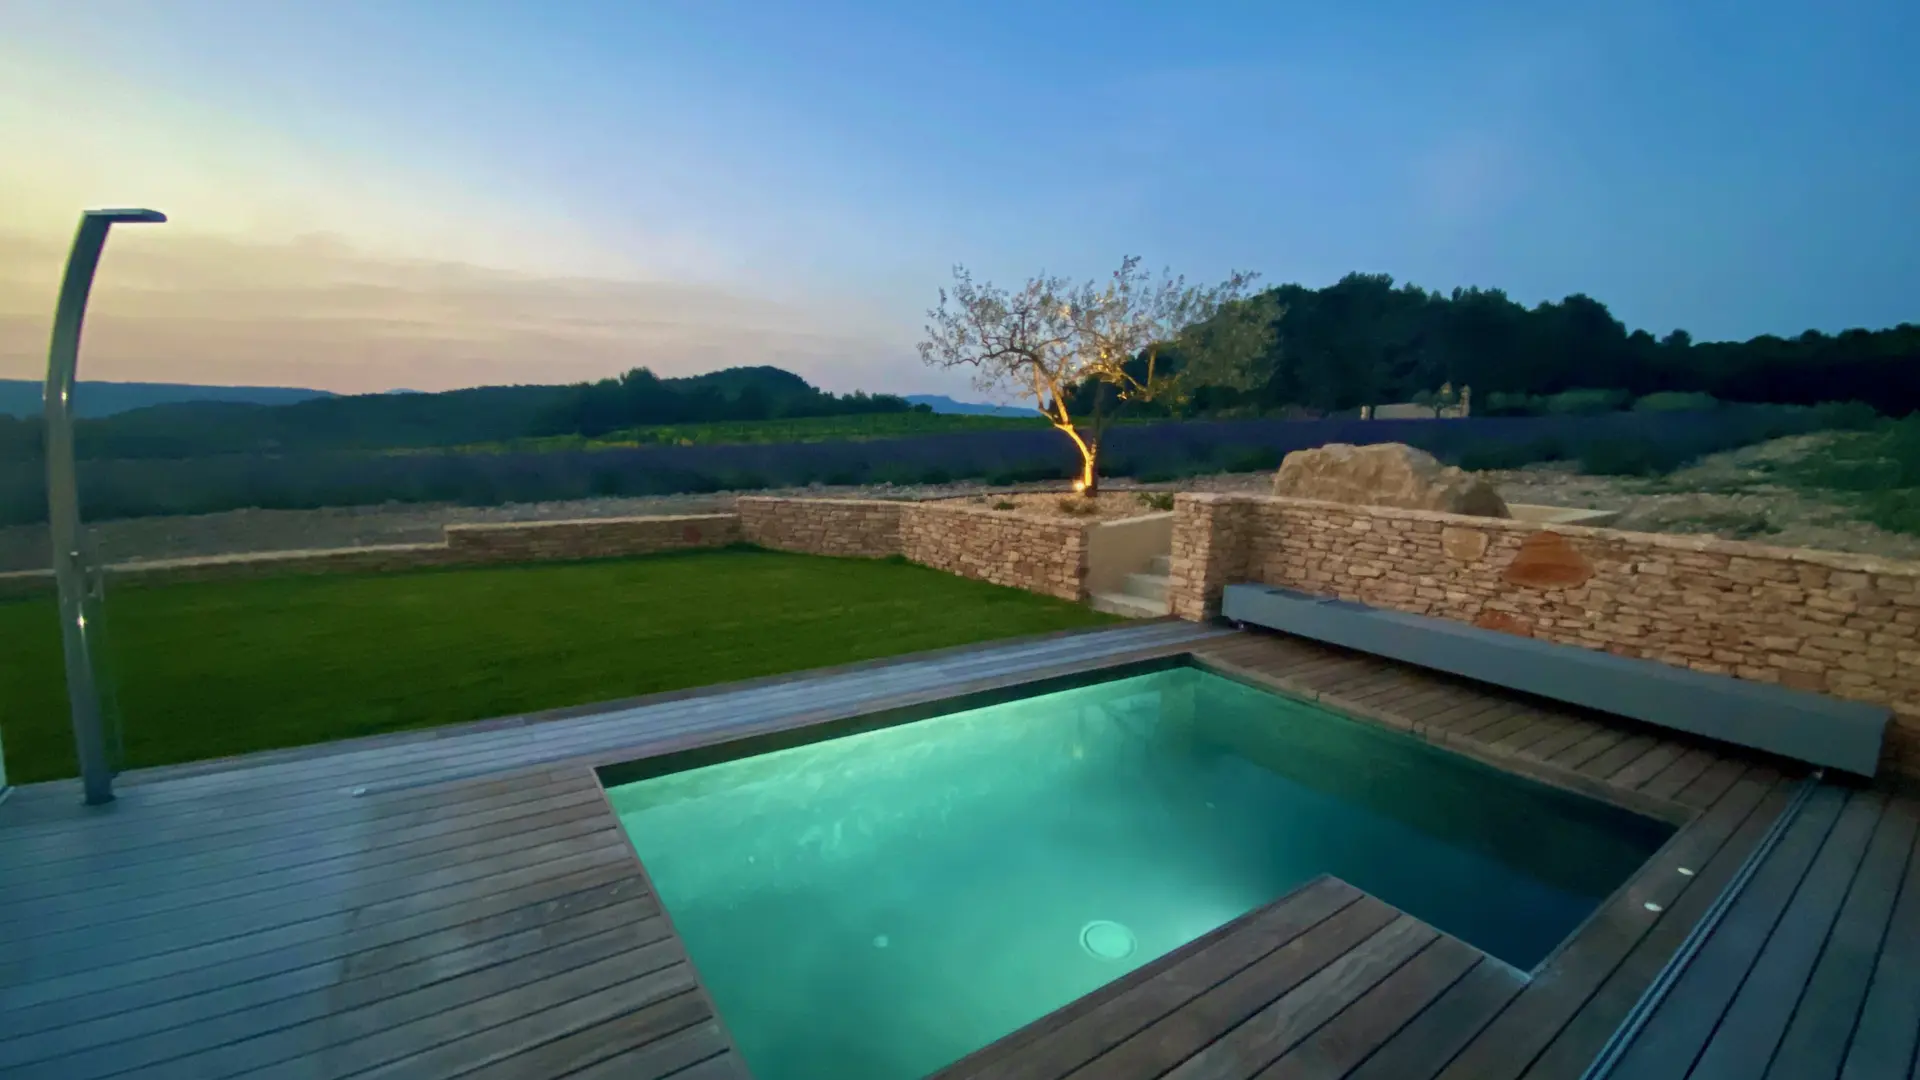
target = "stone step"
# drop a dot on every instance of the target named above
(1147, 587)
(1161, 564)
(1132, 607)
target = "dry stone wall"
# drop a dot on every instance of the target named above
(1042, 555)
(465, 545)
(1024, 551)
(1030, 552)
(1842, 624)
(861, 527)
(592, 538)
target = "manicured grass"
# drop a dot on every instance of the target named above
(207, 670)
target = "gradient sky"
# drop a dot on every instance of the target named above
(371, 195)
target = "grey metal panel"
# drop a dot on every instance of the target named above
(1792, 723)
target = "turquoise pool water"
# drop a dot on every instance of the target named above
(879, 905)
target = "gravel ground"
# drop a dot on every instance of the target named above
(1112, 504)
(1725, 495)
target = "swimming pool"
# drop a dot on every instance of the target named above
(877, 905)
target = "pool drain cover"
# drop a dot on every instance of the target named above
(1107, 940)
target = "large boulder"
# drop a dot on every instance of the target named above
(1386, 474)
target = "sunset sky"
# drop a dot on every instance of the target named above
(368, 195)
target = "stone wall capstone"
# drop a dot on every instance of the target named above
(1842, 624)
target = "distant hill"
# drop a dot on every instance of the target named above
(314, 423)
(941, 403)
(21, 397)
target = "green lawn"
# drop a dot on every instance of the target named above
(206, 670)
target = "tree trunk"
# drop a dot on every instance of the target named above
(1090, 470)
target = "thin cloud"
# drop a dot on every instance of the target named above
(194, 308)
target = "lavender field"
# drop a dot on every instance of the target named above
(1628, 443)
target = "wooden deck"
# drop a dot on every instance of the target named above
(462, 903)
(1812, 970)
(1307, 986)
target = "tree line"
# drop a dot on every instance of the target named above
(1365, 340)
(1362, 340)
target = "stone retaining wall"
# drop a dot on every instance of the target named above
(1038, 554)
(591, 538)
(1846, 625)
(465, 545)
(863, 527)
(1024, 551)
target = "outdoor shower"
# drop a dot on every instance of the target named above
(77, 580)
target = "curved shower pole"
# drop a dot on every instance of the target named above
(63, 496)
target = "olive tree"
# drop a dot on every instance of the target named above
(1137, 338)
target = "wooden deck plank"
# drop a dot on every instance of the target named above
(427, 1017)
(1575, 730)
(509, 1028)
(200, 966)
(1655, 761)
(344, 982)
(1669, 781)
(1306, 673)
(1430, 695)
(1516, 724)
(1709, 982)
(1423, 1047)
(1712, 783)
(1321, 675)
(1620, 755)
(1463, 712)
(1545, 725)
(666, 1056)
(1714, 845)
(1573, 757)
(1415, 716)
(363, 949)
(624, 1035)
(722, 1067)
(291, 843)
(292, 873)
(1065, 1040)
(361, 1007)
(91, 946)
(89, 850)
(1396, 702)
(1883, 1046)
(1342, 1043)
(1365, 681)
(1816, 1039)
(1176, 1037)
(34, 959)
(1754, 1023)
(1465, 728)
(1270, 1033)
